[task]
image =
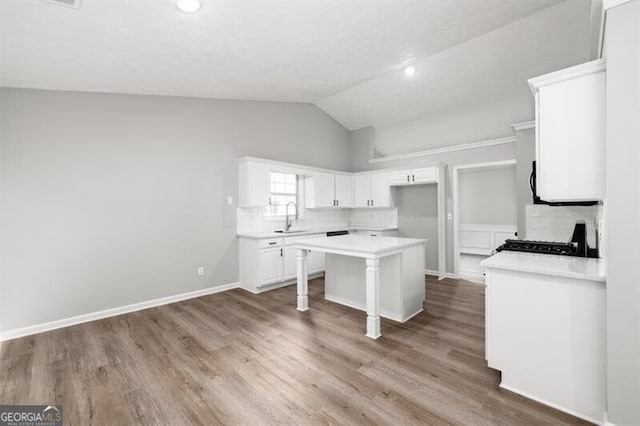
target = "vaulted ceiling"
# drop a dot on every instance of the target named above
(346, 56)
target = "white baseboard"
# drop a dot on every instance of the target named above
(361, 307)
(550, 404)
(66, 322)
(439, 275)
(473, 276)
(292, 281)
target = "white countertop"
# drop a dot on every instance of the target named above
(547, 264)
(357, 245)
(310, 231)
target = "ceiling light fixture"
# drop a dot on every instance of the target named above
(189, 6)
(410, 70)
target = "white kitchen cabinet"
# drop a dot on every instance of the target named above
(413, 176)
(570, 133)
(254, 180)
(546, 330)
(290, 263)
(371, 190)
(328, 190)
(361, 190)
(271, 262)
(343, 191)
(267, 263)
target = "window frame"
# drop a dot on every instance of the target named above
(266, 214)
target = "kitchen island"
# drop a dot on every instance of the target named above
(377, 274)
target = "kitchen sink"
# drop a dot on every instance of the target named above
(289, 232)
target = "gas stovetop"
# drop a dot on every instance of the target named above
(546, 247)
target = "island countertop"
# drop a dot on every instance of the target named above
(363, 245)
(547, 264)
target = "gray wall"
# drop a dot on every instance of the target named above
(488, 197)
(109, 200)
(525, 154)
(418, 217)
(481, 155)
(622, 213)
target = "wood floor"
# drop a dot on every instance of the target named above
(238, 358)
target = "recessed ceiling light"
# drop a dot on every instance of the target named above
(189, 6)
(410, 70)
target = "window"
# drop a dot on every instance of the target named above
(284, 189)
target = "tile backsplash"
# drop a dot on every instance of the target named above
(556, 223)
(375, 218)
(254, 220)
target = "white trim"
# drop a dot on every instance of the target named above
(79, 319)
(523, 125)
(440, 276)
(561, 75)
(359, 307)
(291, 281)
(442, 150)
(552, 405)
(456, 223)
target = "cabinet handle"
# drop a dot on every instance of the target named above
(414, 177)
(273, 243)
(371, 203)
(269, 200)
(408, 180)
(337, 202)
(280, 252)
(367, 203)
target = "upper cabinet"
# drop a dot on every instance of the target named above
(570, 133)
(371, 190)
(328, 190)
(414, 176)
(254, 180)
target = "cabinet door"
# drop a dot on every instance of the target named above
(255, 181)
(400, 177)
(316, 261)
(424, 175)
(290, 263)
(362, 190)
(380, 190)
(271, 264)
(324, 190)
(343, 191)
(571, 139)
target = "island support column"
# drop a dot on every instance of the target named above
(303, 281)
(373, 298)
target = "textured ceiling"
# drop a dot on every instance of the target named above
(346, 56)
(303, 50)
(486, 69)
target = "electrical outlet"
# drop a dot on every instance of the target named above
(201, 271)
(230, 200)
(449, 216)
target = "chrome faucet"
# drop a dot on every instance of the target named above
(287, 222)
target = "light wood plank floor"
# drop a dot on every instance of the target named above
(239, 358)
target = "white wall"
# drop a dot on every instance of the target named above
(488, 197)
(622, 212)
(109, 200)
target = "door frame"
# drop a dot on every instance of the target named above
(456, 219)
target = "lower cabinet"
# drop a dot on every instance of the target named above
(265, 263)
(271, 261)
